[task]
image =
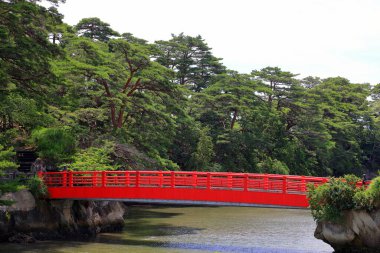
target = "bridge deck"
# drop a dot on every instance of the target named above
(182, 187)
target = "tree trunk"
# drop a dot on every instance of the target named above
(120, 117)
(234, 118)
(113, 115)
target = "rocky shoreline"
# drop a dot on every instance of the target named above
(28, 219)
(358, 231)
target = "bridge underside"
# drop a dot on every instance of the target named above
(190, 203)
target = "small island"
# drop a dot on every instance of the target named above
(348, 217)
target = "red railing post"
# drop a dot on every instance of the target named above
(208, 185)
(194, 179)
(160, 178)
(94, 175)
(126, 178)
(229, 181)
(137, 178)
(71, 179)
(303, 184)
(266, 182)
(245, 182)
(172, 179)
(104, 179)
(284, 185)
(64, 179)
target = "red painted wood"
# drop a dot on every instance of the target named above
(239, 188)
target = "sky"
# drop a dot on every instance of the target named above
(324, 38)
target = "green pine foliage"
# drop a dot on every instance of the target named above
(91, 159)
(37, 187)
(7, 164)
(204, 152)
(69, 90)
(54, 144)
(7, 159)
(95, 29)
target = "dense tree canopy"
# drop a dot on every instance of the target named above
(170, 104)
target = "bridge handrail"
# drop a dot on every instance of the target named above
(183, 179)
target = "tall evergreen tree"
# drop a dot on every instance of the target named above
(95, 29)
(191, 59)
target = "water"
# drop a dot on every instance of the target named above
(199, 229)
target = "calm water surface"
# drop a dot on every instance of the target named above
(199, 229)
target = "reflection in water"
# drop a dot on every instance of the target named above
(199, 229)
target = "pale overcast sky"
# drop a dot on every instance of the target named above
(309, 37)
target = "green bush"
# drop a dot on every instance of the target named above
(11, 186)
(272, 166)
(166, 164)
(328, 201)
(6, 162)
(374, 188)
(370, 198)
(54, 144)
(92, 159)
(364, 200)
(37, 187)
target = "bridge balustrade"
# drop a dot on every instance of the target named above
(170, 179)
(182, 187)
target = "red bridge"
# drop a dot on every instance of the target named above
(182, 187)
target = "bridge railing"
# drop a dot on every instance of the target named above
(174, 179)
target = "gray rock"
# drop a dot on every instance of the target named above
(359, 231)
(57, 219)
(23, 201)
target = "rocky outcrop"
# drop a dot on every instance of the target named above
(359, 231)
(28, 219)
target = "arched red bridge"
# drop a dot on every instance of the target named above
(215, 188)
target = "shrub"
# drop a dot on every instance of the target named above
(166, 164)
(6, 162)
(54, 144)
(364, 200)
(11, 186)
(374, 189)
(328, 201)
(273, 166)
(37, 187)
(92, 159)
